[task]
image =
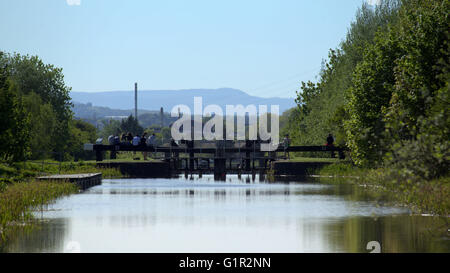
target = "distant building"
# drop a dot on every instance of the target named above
(116, 117)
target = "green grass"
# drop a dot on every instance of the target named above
(130, 157)
(18, 200)
(21, 193)
(313, 159)
(121, 160)
(25, 171)
(342, 169)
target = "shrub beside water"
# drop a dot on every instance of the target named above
(340, 169)
(422, 195)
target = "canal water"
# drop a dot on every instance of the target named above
(237, 215)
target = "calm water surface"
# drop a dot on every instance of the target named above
(202, 215)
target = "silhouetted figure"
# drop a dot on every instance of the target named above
(330, 140)
(124, 139)
(151, 141)
(136, 140)
(173, 143)
(286, 143)
(116, 140)
(129, 137)
(143, 139)
(111, 140)
(142, 143)
(330, 143)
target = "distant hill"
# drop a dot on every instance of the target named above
(94, 114)
(91, 111)
(154, 99)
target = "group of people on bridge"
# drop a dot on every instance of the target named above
(129, 140)
(150, 141)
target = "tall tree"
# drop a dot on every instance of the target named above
(32, 76)
(131, 125)
(14, 121)
(321, 105)
(397, 89)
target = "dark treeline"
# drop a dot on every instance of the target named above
(36, 118)
(384, 91)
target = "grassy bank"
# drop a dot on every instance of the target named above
(19, 200)
(422, 196)
(128, 156)
(21, 193)
(27, 171)
(313, 159)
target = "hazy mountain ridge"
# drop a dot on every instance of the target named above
(90, 111)
(155, 99)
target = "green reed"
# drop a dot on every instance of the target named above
(25, 171)
(21, 193)
(19, 200)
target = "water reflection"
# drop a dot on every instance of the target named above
(395, 233)
(201, 215)
(44, 236)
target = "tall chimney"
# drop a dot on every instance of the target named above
(162, 117)
(135, 101)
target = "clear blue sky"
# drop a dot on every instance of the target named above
(264, 48)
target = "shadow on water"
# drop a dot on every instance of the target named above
(235, 215)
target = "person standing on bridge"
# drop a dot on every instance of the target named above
(129, 137)
(111, 140)
(136, 140)
(151, 141)
(124, 139)
(173, 143)
(142, 143)
(286, 143)
(330, 143)
(330, 140)
(143, 140)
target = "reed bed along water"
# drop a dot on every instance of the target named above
(18, 200)
(21, 193)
